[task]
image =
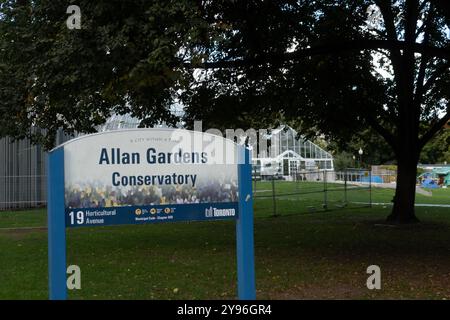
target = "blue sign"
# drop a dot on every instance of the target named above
(144, 176)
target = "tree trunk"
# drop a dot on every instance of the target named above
(405, 193)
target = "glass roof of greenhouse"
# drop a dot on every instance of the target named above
(285, 143)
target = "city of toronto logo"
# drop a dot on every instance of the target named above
(215, 212)
(209, 212)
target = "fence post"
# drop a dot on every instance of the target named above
(325, 200)
(370, 188)
(254, 184)
(345, 186)
(274, 198)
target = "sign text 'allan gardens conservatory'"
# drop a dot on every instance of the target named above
(143, 176)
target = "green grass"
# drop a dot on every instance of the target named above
(23, 218)
(313, 191)
(306, 255)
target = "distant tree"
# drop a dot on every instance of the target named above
(343, 160)
(437, 150)
(376, 150)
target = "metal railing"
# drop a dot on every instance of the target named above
(21, 192)
(313, 190)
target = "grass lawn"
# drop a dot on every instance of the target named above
(306, 190)
(305, 255)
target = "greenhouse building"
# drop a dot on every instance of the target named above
(287, 154)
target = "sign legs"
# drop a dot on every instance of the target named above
(56, 226)
(244, 231)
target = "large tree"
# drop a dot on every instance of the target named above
(335, 67)
(339, 67)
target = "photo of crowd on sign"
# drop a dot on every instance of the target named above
(97, 195)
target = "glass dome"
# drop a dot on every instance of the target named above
(117, 122)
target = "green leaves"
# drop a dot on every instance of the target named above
(140, 57)
(119, 62)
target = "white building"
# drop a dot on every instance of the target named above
(288, 153)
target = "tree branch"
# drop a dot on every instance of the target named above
(324, 49)
(423, 4)
(434, 76)
(424, 59)
(385, 133)
(412, 16)
(388, 18)
(389, 24)
(435, 128)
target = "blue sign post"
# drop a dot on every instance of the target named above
(56, 226)
(63, 213)
(244, 231)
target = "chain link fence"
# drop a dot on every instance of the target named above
(312, 191)
(307, 191)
